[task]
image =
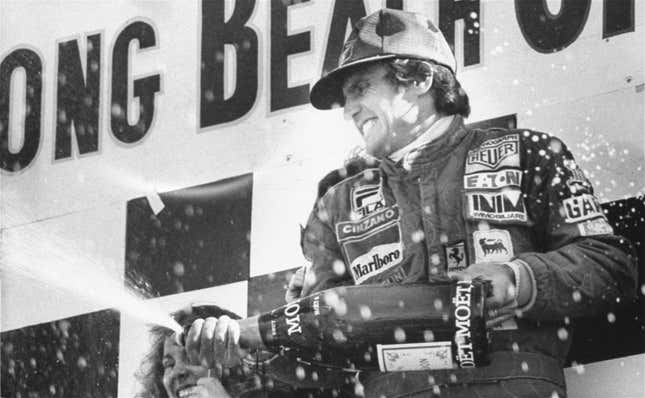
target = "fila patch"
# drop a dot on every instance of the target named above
(502, 206)
(583, 207)
(494, 180)
(456, 256)
(493, 245)
(376, 261)
(367, 199)
(494, 154)
(597, 226)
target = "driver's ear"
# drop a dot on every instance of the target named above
(422, 87)
(418, 88)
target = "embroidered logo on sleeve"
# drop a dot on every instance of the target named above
(597, 226)
(493, 180)
(376, 261)
(371, 245)
(494, 154)
(577, 181)
(582, 207)
(456, 256)
(493, 245)
(503, 206)
(367, 199)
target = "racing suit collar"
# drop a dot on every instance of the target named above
(437, 128)
(426, 153)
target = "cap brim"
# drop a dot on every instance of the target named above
(327, 93)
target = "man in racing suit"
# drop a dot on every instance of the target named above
(510, 206)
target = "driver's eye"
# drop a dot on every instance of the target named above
(357, 89)
(167, 364)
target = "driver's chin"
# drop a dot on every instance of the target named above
(377, 150)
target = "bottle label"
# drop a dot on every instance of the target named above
(415, 356)
(462, 315)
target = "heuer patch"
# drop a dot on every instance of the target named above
(597, 226)
(456, 256)
(582, 207)
(493, 245)
(367, 199)
(494, 154)
(500, 206)
(493, 180)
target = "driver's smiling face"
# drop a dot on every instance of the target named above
(383, 113)
(179, 376)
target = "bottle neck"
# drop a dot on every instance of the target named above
(250, 337)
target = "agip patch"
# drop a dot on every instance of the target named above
(494, 154)
(493, 245)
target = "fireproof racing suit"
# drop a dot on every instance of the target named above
(474, 196)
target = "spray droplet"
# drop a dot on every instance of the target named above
(366, 312)
(525, 366)
(339, 267)
(300, 372)
(611, 318)
(339, 336)
(399, 335)
(417, 236)
(563, 334)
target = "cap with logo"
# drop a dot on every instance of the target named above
(383, 35)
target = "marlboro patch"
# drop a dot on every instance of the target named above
(493, 245)
(494, 154)
(503, 206)
(456, 256)
(376, 261)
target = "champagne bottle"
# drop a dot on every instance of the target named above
(387, 328)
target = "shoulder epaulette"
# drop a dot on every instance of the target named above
(352, 167)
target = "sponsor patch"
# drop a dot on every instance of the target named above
(494, 154)
(456, 256)
(597, 226)
(357, 229)
(582, 207)
(367, 199)
(502, 206)
(376, 261)
(415, 356)
(494, 180)
(493, 245)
